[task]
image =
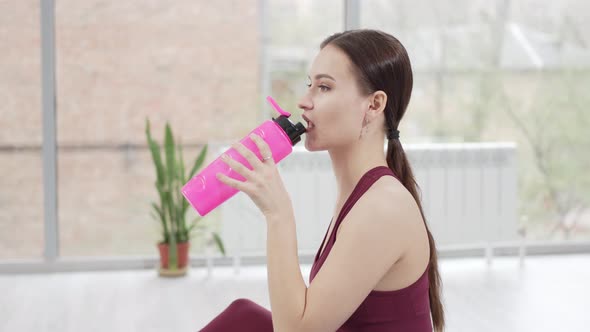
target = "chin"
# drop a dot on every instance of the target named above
(311, 147)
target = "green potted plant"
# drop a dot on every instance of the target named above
(172, 207)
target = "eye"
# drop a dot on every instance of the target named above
(322, 87)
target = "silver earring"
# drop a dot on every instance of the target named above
(364, 128)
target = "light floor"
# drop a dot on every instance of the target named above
(550, 293)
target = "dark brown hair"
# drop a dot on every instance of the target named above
(381, 63)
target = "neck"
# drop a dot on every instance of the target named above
(351, 162)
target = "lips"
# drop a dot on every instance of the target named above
(310, 124)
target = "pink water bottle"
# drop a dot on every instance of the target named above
(204, 192)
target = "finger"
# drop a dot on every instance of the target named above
(240, 185)
(237, 166)
(263, 147)
(249, 155)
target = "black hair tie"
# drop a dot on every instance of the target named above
(392, 134)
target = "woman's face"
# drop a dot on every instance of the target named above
(333, 106)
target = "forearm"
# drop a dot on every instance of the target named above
(286, 286)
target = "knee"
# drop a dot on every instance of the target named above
(241, 303)
(246, 307)
(242, 315)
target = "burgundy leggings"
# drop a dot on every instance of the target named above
(241, 315)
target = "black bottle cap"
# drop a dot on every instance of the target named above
(294, 131)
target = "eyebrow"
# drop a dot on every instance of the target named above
(318, 76)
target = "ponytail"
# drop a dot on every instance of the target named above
(398, 163)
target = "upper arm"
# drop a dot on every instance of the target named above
(370, 240)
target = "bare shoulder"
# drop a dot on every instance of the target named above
(387, 209)
(390, 200)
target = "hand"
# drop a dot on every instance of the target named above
(263, 183)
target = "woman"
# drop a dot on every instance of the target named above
(376, 269)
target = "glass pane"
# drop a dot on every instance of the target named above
(104, 201)
(296, 29)
(194, 64)
(505, 71)
(21, 182)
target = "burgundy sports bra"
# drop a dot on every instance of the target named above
(406, 309)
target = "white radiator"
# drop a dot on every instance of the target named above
(469, 195)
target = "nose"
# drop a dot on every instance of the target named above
(305, 103)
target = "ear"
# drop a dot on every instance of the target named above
(377, 102)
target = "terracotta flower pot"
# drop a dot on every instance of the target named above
(182, 254)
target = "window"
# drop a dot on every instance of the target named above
(21, 182)
(505, 71)
(192, 63)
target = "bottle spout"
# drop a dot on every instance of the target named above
(277, 107)
(293, 130)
